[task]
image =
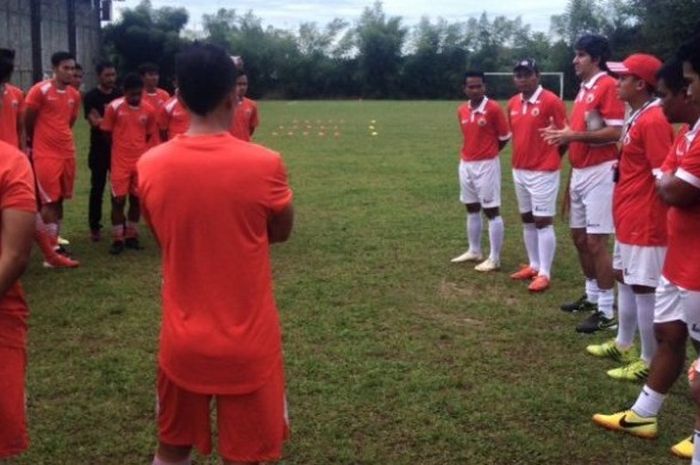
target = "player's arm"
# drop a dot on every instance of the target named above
(503, 129)
(676, 191)
(254, 120)
(279, 225)
(76, 110)
(17, 236)
(30, 115)
(567, 135)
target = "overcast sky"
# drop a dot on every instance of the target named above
(289, 14)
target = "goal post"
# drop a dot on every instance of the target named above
(559, 75)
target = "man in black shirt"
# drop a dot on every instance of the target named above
(95, 102)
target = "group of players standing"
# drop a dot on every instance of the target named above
(632, 177)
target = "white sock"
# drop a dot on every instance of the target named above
(530, 239)
(645, 320)
(626, 315)
(546, 244)
(474, 232)
(496, 232)
(696, 450)
(605, 302)
(649, 402)
(158, 461)
(592, 290)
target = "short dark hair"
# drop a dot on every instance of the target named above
(103, 65)
(690, 52)
(475, 73)
(148, 67)
(672, 74)
(59, 57)
(132, 81)
(7, 64)
(205, 75)
(596, 46)
(78, 67)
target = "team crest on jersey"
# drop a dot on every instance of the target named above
(535, 112)
(481, 122)
(590, 98)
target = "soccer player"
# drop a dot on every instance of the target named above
(95, 102)
(152, 94)
(596, 121)
(17, 213)
(11, 101)
(640, 216)
(485, 132)
(220, 336)
(78, 75)
(677, 309)
(535, 170)
(173, 119)
(131, 123)
(245, 118)
(51, 110)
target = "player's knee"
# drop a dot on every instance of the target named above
(492, 213)
(596, 244)
(672, 335)
(473, 207)
(695, 390)
(119, 202)
(579, 239)
(542, 222)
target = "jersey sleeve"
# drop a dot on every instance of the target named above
(35, 98)
(689, 167)
(109, 119)
(254, 119)
(17, 188)
(558, 113)
(280, 194)
(502, 127)
(611, 108)
(163, 118)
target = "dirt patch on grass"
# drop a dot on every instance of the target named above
(450, 290)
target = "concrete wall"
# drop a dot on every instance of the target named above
(15, 32)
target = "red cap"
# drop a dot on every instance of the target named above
(642, 65)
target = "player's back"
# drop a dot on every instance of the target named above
(208, 199)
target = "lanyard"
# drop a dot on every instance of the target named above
(635, 116)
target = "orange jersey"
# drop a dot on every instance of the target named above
(11, 108)
(638, 211)
(595, 107)
(16, 193)
(245, 119)
(220, 331)
(130, 128)
(173, 118)
(156, 99)
(527, 117)
(482, 127)
(682, 264)
(56, 111)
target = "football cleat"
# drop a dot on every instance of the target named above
(468, 256)
(60, 261)
(684, 449)
(488, 265)
(539, 284)
(635, 371)
(609, 349)
(628, 422)
(524, 273)
(580, 305)
(596, 322)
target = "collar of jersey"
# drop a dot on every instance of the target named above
(481, 108)
(591, 82)
(534, 97)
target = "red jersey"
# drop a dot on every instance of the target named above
(595, 107)
(16, 193)
(156, 99)
(638, 211)
(130, 128)
(56, 110)
(173, 118)
(245, 119)
(220, 331)
(482, 127)
(11, 107)
(682, 264)
(526, 118)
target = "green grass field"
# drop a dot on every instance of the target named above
(393, 354)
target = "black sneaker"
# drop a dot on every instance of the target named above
(596, 322)
(580, 305)
(116, 248)
(133, 243)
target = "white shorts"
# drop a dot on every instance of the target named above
(640, 265)
(480, 182)
(674, 303)
(591, 196)
(536, 191)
